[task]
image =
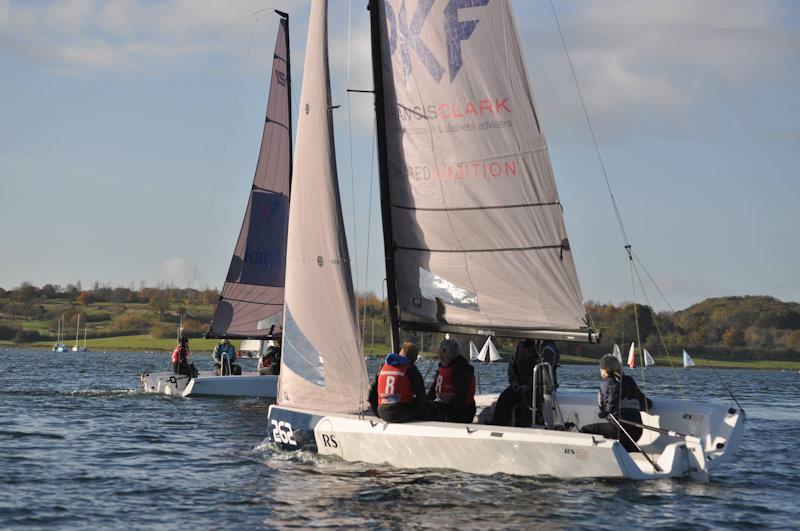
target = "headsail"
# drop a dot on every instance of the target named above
(493, 354)
(617, 353)
(473, 222)
(252, 297)
(484, 353)
(322, 364)
(473, 352)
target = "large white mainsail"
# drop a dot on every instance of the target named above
(475, 228)
(322, 364)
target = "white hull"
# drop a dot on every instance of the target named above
(208, 384)
(485, 449)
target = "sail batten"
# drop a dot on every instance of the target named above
(476, 235)
(251, 301)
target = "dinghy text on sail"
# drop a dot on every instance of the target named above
(251, 302)
(322, 363)
(476, 230)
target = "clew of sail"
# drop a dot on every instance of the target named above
(322, 364)
(475, 225)
(252, 297)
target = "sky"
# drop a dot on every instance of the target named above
(125, 122)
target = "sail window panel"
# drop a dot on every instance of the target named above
(547, 299)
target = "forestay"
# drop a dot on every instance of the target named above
(477, 231)
(252, 296)
(322, 364)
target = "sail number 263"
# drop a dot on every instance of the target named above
(282, 432)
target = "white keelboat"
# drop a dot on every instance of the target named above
(251, 304)
(475, 244)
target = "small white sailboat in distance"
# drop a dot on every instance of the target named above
(617, 353)
(687, 360)
(77, 347)
(489, 353)
(474, 355)
(648, 359)
(632, 356)
(60, 346)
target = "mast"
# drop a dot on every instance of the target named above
(383, 173)
(78, 331)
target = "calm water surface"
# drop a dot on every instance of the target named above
(81, 447)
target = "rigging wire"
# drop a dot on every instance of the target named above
(369, 231)
(616, 207)
(224, 150)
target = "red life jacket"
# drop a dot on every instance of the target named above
(176, 354)
(445, 389)
(394, 387)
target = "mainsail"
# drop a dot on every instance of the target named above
(322, 364)
(474, 231)
(252, 297)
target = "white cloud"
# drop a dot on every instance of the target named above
(177, 271)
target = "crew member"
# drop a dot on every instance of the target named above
(619, 396)
(453, 386)
(220, 364)
(180, 358)
(398, 392)
(518, 396)
(270, 362)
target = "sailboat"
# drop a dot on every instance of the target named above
(488, 353)
(78, 348)
(687, 360)
(60, 346)
(617, 353)
(475, 244)
(474, 355)
(648, 358)
(251, 303)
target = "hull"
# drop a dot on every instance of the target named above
(485, 449)
(207, 383)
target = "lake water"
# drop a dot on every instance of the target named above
(82, 447)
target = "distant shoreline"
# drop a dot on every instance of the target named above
(206, 346)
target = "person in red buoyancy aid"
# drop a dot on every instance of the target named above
(398, 392)
(453, 386)
(180, 359)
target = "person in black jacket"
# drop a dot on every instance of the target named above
(452, 394)
(519, 392)
(620, 396)
(398, 392)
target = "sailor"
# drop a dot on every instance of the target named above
(270, 362)
(518, 396)
(398, 392)
(618, 396)
(180, 359)
(548, 351)
(220, 364)
(453, 386)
